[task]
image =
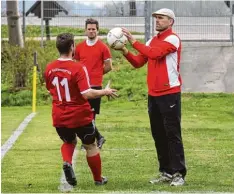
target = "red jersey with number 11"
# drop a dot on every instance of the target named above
(66, 81)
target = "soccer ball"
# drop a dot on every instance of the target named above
(116, 38)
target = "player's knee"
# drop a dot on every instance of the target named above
(90, 147)
(74, 141)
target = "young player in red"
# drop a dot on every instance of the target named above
(68, 83)
(96, 56)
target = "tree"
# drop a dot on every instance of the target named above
(14, 29)
(113, 8)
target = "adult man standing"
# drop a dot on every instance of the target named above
(162, 53)
(68, 83)
(97, 58)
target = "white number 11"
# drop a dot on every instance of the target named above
(64, 83)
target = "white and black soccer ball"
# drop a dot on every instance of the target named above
(116, 39)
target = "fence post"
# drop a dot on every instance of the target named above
(231, 30)
(42, 23)
(147, 14)
(231, 21)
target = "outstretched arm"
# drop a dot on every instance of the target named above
(83, 84)
(136, 61)
(169, 45)
(92, 93)
(162, 49)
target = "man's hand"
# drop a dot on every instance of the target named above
(129, 36)
(123, 49)
(110, 93)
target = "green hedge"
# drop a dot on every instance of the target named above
(17, 67)
(35, 31)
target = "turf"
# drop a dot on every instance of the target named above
(128, 157)
(11, 118)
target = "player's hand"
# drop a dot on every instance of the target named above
(129, 36)
(111, 93)
(124, 50)
(120, 49)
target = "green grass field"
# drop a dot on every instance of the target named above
(34, 164)
(8, 126)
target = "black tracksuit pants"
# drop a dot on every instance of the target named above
(165, 116)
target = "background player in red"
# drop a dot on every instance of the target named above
(68, 83)
(96, 56)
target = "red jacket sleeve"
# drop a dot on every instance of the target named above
(136, 61)
(158, 51)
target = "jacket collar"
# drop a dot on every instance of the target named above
(164, 34)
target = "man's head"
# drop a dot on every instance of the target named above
(91, 28)
(164, 19)
(65, 43)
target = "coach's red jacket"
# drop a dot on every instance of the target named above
(163, 55)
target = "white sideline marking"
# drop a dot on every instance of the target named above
(10, 142)
(64, 186)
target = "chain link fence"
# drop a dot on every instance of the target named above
(195, 20)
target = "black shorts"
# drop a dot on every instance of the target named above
(85, 133)
(95, 103)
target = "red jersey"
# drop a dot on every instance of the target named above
(93, 58)
(66, 81)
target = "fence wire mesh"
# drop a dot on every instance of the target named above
(195, 20)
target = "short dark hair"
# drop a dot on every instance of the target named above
(91, 21)
(64, 42)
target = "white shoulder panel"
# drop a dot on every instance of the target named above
(173, 39)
